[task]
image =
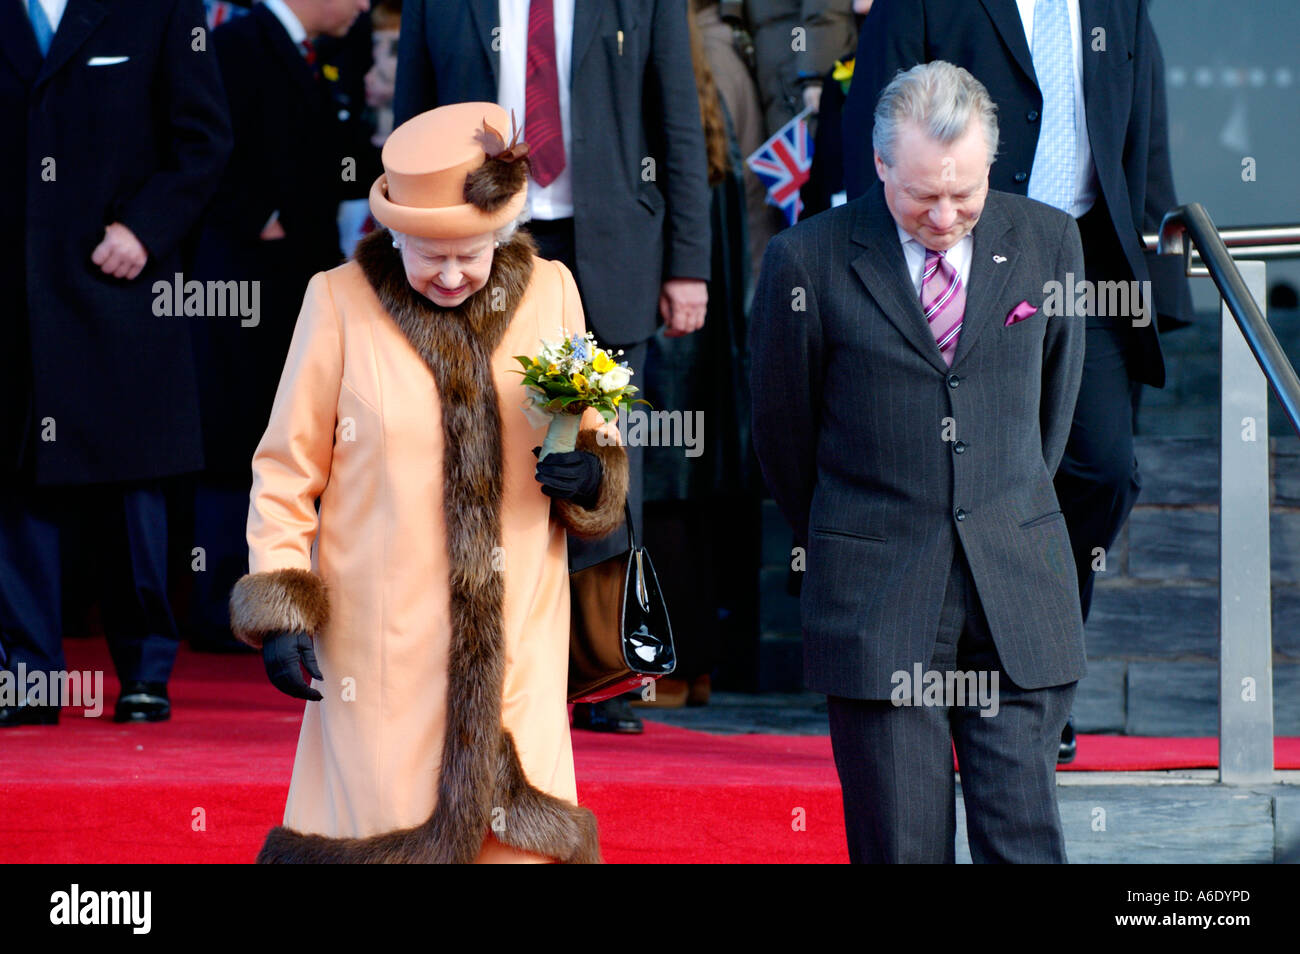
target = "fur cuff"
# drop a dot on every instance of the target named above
(278, 601)
(607, 515)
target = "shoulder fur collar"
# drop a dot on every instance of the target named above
(512, 267)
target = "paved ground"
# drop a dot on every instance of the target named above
(736, 713)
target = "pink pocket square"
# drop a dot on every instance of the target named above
(1019, 313)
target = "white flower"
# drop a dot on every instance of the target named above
(615, 378)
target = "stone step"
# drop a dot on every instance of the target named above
(1171, 818)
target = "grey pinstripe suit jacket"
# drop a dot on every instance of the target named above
(850, 400)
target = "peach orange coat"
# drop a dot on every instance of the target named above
(356, 422)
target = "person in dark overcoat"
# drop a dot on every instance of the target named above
(118, 130)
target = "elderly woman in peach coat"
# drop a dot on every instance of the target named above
(429, 596)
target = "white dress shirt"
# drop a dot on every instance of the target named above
(554, 201)
(958, 257)
(1085, 187)
(292, 25)
(53, 11)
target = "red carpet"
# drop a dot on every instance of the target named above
(207, 785)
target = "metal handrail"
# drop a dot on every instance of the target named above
(1192, 220)
(1261, 241)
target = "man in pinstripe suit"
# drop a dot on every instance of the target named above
(914, 384)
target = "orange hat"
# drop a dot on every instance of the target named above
(449, 173)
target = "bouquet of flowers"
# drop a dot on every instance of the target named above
(565, 379)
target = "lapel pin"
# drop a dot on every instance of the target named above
(999, 259)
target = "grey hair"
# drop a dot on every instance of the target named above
(941, 99)
(500, 235)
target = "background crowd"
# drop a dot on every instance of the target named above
(224, 143)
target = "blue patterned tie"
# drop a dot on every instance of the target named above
(40, 25)
(1052, 179)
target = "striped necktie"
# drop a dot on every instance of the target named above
(542, 95)
(943, 299)
(40, 26)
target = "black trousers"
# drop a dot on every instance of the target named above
(127, 526)
(555, 242)
(1097, 483)
(895, 761)
(220, 527)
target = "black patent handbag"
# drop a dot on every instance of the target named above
(619, 634)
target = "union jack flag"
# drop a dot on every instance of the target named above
(782, 164)
(219, 11)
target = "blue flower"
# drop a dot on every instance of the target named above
(581, 348)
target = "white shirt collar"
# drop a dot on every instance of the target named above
(292, 25)
(959, 256)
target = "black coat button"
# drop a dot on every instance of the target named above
(960, 514)
(1032, 115)
(953, 381)
(959, 447)
(1021, 176)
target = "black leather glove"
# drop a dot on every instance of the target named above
(573, 475)
(285, 655)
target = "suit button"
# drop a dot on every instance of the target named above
(959, 447)
(953, 381)
(960, 514)
(1021, 176)
(1032, 115)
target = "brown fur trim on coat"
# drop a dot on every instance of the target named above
(278, 601)
(480, 769)
(607, 516)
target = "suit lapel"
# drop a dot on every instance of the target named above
(17, 41)
(487, 17)
(1006, 18)
(1092, 14)
(79, 21)
(994, 235)
(290, 56)
(883, 270)
(586, 15)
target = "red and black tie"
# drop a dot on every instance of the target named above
(309, 54)
(542, 127)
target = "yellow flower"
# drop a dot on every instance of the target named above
(331, 73)
(552, 369)
(843, 70)
(578, 380)
(602, 362)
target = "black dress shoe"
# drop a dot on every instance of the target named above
(14, 716)
(143, 702)
(612, 715)
(1068, 746)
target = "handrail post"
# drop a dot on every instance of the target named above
(1245, 606)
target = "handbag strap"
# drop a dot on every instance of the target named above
(631, 530)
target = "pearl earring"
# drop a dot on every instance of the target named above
(496, 244)
(395, 245)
